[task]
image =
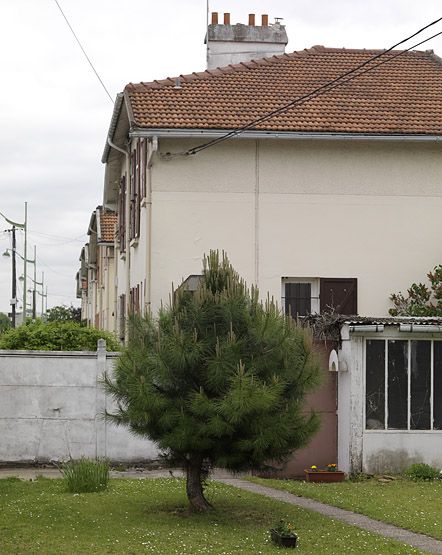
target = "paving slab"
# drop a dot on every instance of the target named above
(419, 541)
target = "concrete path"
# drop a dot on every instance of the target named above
(419, 541)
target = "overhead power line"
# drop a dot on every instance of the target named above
(349, 75)
(84, 51)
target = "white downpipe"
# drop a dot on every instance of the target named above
(153, 147)
(127, 212)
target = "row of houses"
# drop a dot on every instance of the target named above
(333, 202)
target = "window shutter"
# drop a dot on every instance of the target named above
(132, 195)
(122, 215)
(339, 294)
(137, 189)
(298, 299)
(143, 149)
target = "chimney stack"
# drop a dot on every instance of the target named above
(232, 44)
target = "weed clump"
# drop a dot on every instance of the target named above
(422, 471)
(85, 475)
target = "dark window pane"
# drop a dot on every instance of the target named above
(397, 384)
(375, 385)
(298, 299)
(420, 385)
(437, 385)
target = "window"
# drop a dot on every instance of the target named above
(302, 296)
(403, 384)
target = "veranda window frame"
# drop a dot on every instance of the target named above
(386, 341)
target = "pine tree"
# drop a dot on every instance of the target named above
(218, 378)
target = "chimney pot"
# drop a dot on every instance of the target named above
(251, 19)
(265, 20)
(214, 18)
(227, 19)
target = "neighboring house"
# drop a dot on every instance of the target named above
(96, 277)
(334, 203)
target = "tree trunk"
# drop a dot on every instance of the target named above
(194, 486)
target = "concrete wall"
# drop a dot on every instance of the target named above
(51, 408)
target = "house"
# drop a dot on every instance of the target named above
(96, 277)
(334, 202)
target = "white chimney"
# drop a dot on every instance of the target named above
(232, 44)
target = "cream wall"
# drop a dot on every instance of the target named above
(369, 210)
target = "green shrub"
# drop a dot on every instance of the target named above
(56, 336)
(422, 471)
(85, 475)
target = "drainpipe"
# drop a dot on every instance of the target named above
(153, 147)
(127, 157)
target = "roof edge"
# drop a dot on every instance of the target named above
(113, 125)
(183, 133)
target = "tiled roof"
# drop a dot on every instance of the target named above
(108, 224)
(402, 96)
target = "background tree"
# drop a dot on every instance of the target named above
(63, 313)
(218, 378)
(421, 300)
(56, 336)
(5, 322)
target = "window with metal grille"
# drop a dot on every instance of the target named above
(403, 384)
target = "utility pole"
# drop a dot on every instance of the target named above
(34, 291)
(25, 228)
(14, 280)
(42, 294)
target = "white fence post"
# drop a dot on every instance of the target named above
(100, 403)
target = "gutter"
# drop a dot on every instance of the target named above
(215, 133)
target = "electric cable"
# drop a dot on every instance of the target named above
(84, 51)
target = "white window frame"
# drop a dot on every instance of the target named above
(408, 338)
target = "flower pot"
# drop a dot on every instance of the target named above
(326, 476)
(284, 541)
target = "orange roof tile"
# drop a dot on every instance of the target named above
(402, 96)
(108, 224)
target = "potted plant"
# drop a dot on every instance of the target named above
(328, 474)
(283, 534)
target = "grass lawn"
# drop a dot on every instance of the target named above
(148, 516)
(416, 506)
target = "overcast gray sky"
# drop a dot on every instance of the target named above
(54, 115)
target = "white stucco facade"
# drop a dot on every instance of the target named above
(291, 208)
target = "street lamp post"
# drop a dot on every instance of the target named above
(23, 226)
